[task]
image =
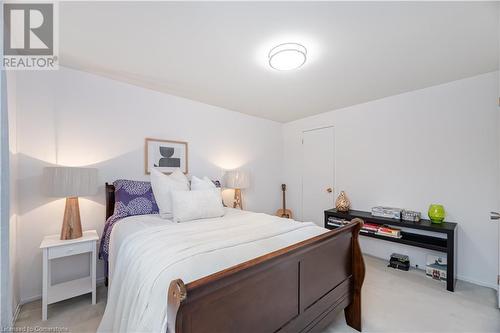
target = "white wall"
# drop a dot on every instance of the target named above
(14, 272)
(448, 135)
(74, 118)
(5, 313)
(438, 144)
(4, 199)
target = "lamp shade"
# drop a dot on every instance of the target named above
(237, 179)
(70, 181)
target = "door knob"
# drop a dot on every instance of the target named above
(495, 216)
(330, 190)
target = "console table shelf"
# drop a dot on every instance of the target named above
(447, 245)
(426, 242)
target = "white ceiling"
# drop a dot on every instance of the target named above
(216, 53)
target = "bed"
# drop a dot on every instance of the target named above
(244, 272)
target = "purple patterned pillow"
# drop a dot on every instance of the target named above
(134, 198)
(131, 198)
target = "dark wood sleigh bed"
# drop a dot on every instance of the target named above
(300, 288)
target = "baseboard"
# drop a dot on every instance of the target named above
(16, 314)
(30, 299)
(98, 282)
(479, 283)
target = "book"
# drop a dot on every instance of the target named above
(388, 235)
(436, 267)
(335, 222)
(370, 228)
(389, 231)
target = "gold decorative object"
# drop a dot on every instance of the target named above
(342, 203)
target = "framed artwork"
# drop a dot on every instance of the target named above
(166, 155)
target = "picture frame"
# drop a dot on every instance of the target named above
(165, 155)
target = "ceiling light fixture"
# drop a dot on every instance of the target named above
(287, 56)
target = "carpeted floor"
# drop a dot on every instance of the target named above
(393, 301)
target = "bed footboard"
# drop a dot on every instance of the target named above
(299, 288)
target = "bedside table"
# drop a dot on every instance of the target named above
(54, 248)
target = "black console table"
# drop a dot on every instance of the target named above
(447, 245)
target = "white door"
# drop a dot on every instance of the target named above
(318, 170)
(495, 217)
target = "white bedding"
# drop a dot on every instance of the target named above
(147, 252)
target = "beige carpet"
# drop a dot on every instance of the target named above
(393, 301)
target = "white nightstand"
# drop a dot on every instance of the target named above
(54, 248)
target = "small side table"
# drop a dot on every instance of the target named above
(54, 248)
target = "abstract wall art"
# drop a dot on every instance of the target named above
(166, 155)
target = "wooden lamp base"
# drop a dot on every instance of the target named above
(72, 225)
(237, 199)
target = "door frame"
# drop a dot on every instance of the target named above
(302, 164)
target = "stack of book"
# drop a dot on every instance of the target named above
(389, 231)
(370, 228)
(436, 267)
(335, 222)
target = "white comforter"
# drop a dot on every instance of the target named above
(146, 253)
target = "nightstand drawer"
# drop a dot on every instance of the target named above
(70, 249)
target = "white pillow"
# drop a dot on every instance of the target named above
(163, 185)
(193, 205)
(201, 184)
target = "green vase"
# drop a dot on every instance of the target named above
(437, 213)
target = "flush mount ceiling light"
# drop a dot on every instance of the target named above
(287, 56)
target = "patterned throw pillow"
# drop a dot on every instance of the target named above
(134, 198)
(131, 198)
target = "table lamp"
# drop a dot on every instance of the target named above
(237, 180)
(70, 183)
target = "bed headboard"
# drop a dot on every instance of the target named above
(110, 200)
